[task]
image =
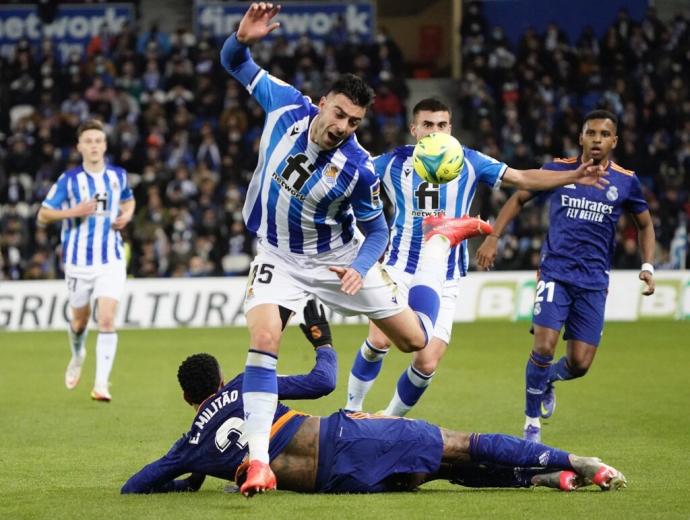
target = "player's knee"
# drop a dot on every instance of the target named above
(106, 324)
(578, 368)
(379, 340)
(412, 343)
(79, 324)
(265, 340)
(544, 348)
(425, 366)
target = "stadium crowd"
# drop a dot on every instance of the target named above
(188, 134)
(525, 106)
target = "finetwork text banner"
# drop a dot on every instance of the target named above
(217, 302)
(71, 31)
(319, 21)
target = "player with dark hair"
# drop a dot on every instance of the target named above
(94, 202)
(312, 181)
(413, 200)
(575, 263)
(345, 452)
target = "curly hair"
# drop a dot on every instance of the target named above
(199, 377)
(354, 88)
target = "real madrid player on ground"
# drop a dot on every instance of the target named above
(413, 200)
(94, 202)
(575, 262)
(346, 452)
(311, 181)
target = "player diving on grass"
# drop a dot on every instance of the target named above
(346, 452)
(312, 181)
(575, 262)
(413, 199)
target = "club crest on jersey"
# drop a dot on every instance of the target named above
(330, 174)
(612, 193)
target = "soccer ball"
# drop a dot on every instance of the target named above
(438, 158)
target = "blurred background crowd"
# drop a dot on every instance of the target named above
(188, 133)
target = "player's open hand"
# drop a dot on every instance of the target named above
(315, 326)
(84, 208)
(591, 174)
(486, 254)
(648, 279)
(350, 278)
(255, 23)
(121, 221)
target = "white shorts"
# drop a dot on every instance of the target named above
(286, 279)
(449, 296)
(83, 284)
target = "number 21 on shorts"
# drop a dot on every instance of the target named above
(550, 288)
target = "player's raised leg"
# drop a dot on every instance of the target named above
(260, 394)
(77, 332)
(106, 348)
(366, 367)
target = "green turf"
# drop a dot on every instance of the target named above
(64, 456)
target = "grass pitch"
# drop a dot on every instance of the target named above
(64, 456)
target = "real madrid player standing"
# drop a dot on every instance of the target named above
(94, 202)
(311, 181)
(414, 199)
(575, 262)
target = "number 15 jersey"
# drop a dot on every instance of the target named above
(303, 199)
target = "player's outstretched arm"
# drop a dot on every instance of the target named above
(647, 241)
(323, 377)
(588, 174)
(158, 476)
(256, 22)
(486, 254)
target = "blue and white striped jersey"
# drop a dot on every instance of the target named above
(90, 241)
(413, 199)
(302, 199)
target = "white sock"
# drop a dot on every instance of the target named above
(259, 409)
(260, 397)
(106, 346)
(411, 385)
(532, 421)
(77, 342)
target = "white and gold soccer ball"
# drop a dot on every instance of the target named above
(438, 158)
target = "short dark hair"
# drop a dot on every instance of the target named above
(601, 114)
(355, 88)
(430, 105)
(90, 124)
(199, 377)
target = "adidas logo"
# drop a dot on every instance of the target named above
(544, 458)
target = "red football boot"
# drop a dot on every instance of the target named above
(455, 229)
(258, 478)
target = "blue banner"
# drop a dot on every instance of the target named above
(320, 21)
(73, 27)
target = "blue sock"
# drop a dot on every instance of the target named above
(411, 385)
(536, 379)
(424, 300)
(260, 399)
(424, 296)
(560, 371)
(365, 368)
(511, 451)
